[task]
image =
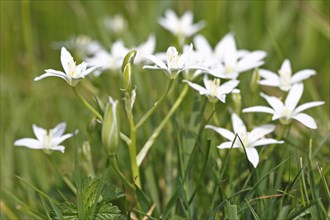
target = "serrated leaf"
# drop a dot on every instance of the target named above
(107, 211)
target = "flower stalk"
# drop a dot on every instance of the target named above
(83, 100)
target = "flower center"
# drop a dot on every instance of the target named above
(47, 140)
(172, 58)
(285, 78)
(214, 85)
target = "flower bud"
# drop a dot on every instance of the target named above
(237, 101)
(126, 68)
(111, 128)
(254, 80)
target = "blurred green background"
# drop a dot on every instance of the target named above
(297, 30)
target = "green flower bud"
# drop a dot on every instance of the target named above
(237, 102)
(254, 80)
(126, 68)
(111, 128)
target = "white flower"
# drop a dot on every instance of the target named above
(233, 61)
(72, 73)
(250, 140)
(46, 139)
(288, 110)
(285, 79)
(146, 48)
(175, 63)
(116, 24)
(213, 90)
(109, 61)
(181, 27)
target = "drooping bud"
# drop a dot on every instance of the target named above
(111, 127)
(254, 80)
(126, 68)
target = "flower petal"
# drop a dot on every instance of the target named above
(238, 124)
(66, 60)
(197, 87)
(286, 66)
(156, 61)
(274, 102)
(260, 132)
(306, 120)
(227, 87)
(59, 148)
(307, 106)
(58, 140)
(266, 141)
(251, 60)
(58, 130)
(268, 75)
(39, 132)
(29, 142)
(222, 131)
(301, 75)
(227, 145)
(51, 72)
(259, 109)
(294, 96)
(253, 156)
(202, 45)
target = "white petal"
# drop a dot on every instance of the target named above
(227, 87)
(66, 60)
(227, 41)
(194, 28)
(222, 131)
(238, 124)
(266, 141)
(58, 140)
(157, 61)
(185, 56)
(90, 70)
(294, 96)
(268, 75)
(197, 87)
(253, 156)
(39, 132)
(202, 45)
(307, 106)
(59, 148)
(274, 102)
(28, 142)
(306, 120)
(58, 130)
(227, 145)
(259, 109)
(251, 60)
(269, 83)
(51, 72)
(301, 75)
(260, 132)
(286, 66)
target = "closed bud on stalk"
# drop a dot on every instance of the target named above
(254, 80)
(237, 101)
(126, 68)
(111, 127)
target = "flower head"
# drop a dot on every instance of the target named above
(175, 62)
(46, 139)
(233, 61)
(250, 140)
(285, 79)
(182, 27)
(72, 73)
(288, 110)
(213, 90)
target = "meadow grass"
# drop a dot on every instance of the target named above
(184, 174)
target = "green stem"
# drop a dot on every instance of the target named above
(156, 105)
(96, 113)
(157, 131)
(216, 120)
(114, 165)
(132, 143)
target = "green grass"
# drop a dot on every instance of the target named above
(184, 174)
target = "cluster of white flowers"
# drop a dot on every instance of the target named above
(224, 62)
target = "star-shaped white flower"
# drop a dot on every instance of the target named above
(109, 60)
(72, 73)
(234, 61)
(284, 80)
(288, 110)
(250, 140)
(175, 63)
(213, 90)
(182, 27)
(46, 139)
